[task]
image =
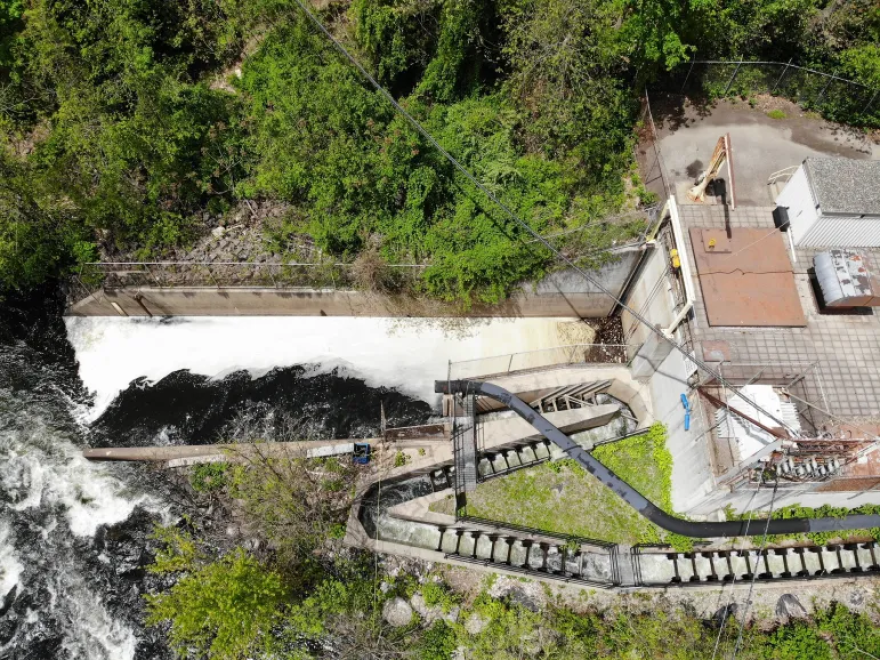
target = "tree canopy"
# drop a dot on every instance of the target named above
(131, 119)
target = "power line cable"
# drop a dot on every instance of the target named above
(519, 221)
(747, 247)
(742, 624)
(730, 601)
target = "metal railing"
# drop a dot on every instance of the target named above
(540, 358)
(785, 173)
(654, 172)
(224, 274)
(836, 98)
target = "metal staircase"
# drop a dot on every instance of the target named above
(464, 447)
(570, 397)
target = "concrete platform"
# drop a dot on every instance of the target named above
(761, 145)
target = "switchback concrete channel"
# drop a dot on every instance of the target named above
(598, 564)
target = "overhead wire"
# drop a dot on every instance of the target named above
(754, 243)
(748, 605)
(595, 223)
(730, 601)
(513, 216)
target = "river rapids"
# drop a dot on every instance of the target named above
(75, 536)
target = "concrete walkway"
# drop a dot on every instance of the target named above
(761, 146)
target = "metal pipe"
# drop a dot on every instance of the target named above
(687, 77)
(822, 93)
(139, 299)
(733, 77)
(689, 294)
(721, 404)
(634, 498)
(870, 103)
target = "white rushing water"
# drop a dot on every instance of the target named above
(94, 633)
(53, 502)
(43, 469)
(11, 567)
(407, 354)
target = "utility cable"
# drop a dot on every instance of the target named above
(731, 600)
(753, 243)
(742, 624)
(516, 219)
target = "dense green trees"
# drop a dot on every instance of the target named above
(128, 119)
(237, 607)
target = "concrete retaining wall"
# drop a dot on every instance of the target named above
(650, 295)
(563, 294)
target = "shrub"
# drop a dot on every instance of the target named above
(209, 477)
(224, 609)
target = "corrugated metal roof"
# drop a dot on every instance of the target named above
(843, 185)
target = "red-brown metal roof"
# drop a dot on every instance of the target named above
(747, 279)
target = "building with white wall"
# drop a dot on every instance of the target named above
(834, 202)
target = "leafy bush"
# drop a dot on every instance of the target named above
(438, 642)
(209, 477)
(438, 594)
(293, 507)
(225, 609)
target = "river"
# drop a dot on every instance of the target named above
(74, 535)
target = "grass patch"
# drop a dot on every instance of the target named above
(776, 114)
(562, 497)
(819, 538)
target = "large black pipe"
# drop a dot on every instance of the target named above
(634, 498)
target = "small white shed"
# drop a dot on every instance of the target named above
(834, 202)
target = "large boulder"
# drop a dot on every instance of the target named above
(788, 607)
(475, 624)
(397, 612)
(432, 613)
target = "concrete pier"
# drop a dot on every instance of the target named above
(193, 454)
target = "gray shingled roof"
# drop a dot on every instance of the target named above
(845, 186)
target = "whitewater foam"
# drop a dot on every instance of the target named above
(407, 354)
(11, 567)
(96, 635)
(54, 473)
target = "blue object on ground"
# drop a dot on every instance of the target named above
(361, 454)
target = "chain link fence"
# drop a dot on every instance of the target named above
(835, 98)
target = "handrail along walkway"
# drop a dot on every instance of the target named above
(635, 499)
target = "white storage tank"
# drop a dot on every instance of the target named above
(834, 202)
(847, 279)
